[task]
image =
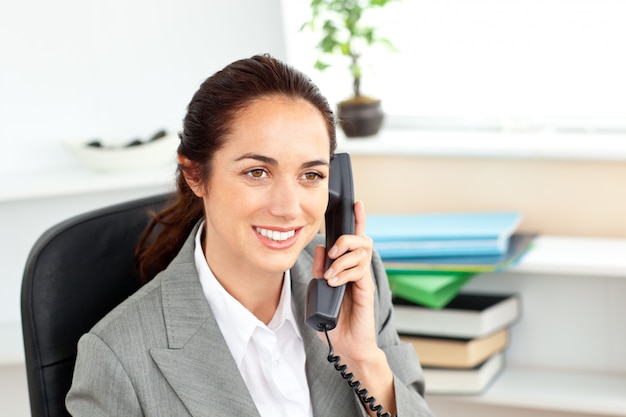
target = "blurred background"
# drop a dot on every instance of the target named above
(497, 104)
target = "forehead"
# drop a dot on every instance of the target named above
(279, 123)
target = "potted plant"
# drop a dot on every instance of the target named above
(344, 33)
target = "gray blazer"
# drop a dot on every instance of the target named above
(161, 353)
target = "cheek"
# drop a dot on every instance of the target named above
(228, 207)
(318, 204)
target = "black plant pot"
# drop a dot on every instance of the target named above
(358, 119)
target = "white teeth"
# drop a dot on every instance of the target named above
(275, 235)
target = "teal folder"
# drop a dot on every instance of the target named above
(441, 234)
(519, 244)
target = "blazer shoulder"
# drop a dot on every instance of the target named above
(145, 301)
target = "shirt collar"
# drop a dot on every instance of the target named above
(236, 322)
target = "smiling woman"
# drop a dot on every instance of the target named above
(210, 125)
(220, 323)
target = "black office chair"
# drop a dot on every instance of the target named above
(76, 272)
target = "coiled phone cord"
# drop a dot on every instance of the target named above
(356, 385)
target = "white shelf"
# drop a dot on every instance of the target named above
(524, 145)
(59, 174)
(565, 351)
(74, 179)
(575, 256)
(52, 171)
(565, 391)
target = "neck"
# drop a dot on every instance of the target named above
(260, 294)
(257, 290)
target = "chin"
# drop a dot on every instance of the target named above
(279, 262)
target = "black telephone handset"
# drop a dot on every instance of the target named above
(323, 302)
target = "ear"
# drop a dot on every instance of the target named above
(190, 172)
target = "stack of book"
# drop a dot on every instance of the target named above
(462, 346)
(460, 337)
(429, 257)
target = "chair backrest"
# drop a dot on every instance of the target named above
(75, 274)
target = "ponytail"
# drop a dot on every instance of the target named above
(167, 231)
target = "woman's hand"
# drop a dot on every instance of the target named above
(354, 338)
(355, 334)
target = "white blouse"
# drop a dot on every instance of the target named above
(271, 358)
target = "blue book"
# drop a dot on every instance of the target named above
(519, 244)
(442, 234)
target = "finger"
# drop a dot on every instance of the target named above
(348, 243)
(319, 258)
(353, 262)
(359, 217)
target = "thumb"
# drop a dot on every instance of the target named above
(319, 259)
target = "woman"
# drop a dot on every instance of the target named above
(220, 329)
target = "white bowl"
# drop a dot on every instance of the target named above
(151, 154)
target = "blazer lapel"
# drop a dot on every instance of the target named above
(330, 394)
(198, 364)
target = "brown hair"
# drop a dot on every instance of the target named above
(209, 117)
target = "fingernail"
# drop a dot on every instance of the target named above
(334, 280)
(333, 251)
(329, 273)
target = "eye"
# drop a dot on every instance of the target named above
(257, 173)
(312, 176)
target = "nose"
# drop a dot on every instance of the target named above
(285, 199)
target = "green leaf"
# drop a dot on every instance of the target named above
(321, 65)
(339, 24)
(328, 44)
(368, 35)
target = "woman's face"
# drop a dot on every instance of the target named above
(268, 188)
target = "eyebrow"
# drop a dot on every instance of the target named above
(261, 158)
(274, 162)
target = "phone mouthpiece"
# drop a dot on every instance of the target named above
(323, 304)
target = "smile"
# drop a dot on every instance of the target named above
(274, 234)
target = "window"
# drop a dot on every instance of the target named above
(529, 65)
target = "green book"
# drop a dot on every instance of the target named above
(432, 289)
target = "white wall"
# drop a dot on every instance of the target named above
(114, 69)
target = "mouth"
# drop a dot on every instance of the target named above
(275, 235)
